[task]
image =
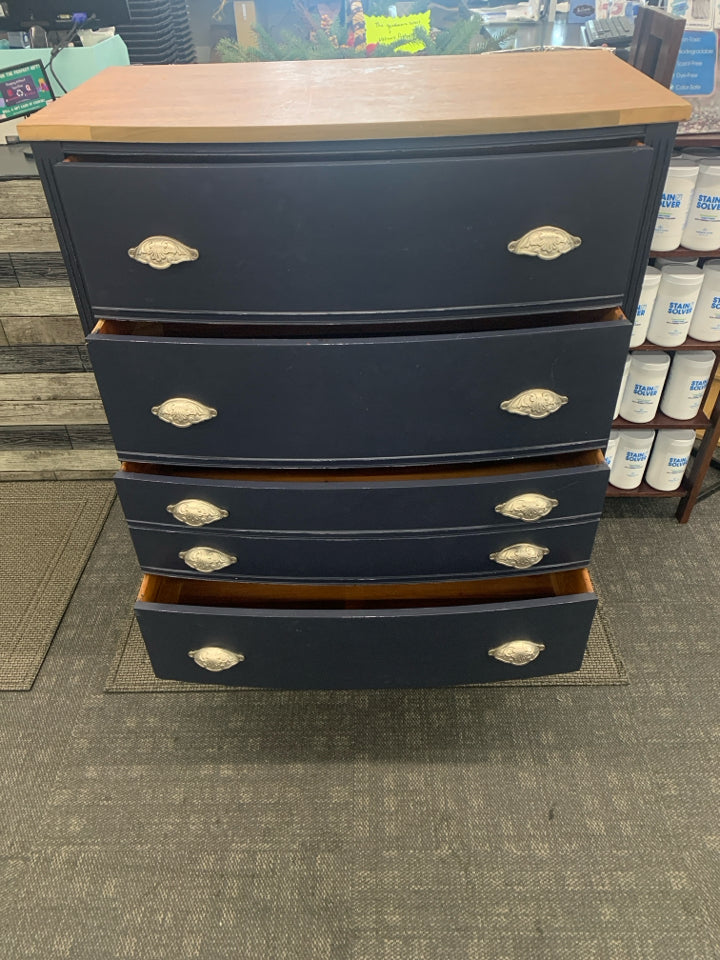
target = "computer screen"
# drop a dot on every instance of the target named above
(23, 89)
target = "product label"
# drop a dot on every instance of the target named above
(645, 390)
(641, 310)
(677, 461)
(707, 201)
(671, 201)
(683, 308)
(634, 456)
(697, 385)
(715, 305)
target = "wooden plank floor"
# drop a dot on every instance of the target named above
(52, 422)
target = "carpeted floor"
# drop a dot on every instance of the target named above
(48, 532)
(503, 823)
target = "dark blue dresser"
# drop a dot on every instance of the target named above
(359, 328)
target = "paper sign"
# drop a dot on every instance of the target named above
(388, 30)
(695, 69)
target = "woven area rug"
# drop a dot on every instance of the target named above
(48, 532)
(132, 672)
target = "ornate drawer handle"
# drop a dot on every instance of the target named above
(521, 556)
(182, 412)
(196, 513)
(517, 652)
(207, 559)
(548, 243)
(215, 659)
(536, 403)
(526, 506)
(161, 252)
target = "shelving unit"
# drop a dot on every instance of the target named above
(689, 489)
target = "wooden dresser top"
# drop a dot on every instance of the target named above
(357, 99)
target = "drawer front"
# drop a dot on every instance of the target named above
(356, 238)
(403, 557)
(355, 649)
(358, 402)
(438, 503)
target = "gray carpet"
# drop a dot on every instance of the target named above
(495, 823)
(48, 531)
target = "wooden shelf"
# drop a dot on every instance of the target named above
(689, 344)
(662, 422)
(645, 490)
(681, 252)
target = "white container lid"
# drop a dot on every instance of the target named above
(661, 262)
(640, 436)
(652, 276)
(684, 167)
(651, 360)
(676, 436)
(700, 152)
(710, 166)
(697, 356)
(684, 272)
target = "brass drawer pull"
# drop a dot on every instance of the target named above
(517, 652)
(547, 243)
(521, 556)
(182, 412)
(207, 559)
(536, 404)
(196, 513)
(215, 659)
(526, 506)
(161, 252)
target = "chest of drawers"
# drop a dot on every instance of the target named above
(360, 362)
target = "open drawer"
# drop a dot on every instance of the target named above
(358, 636)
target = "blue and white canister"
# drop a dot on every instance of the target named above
(631, 457)
(674, 305)
(668, 462)
(644, 387)
(648, 293)
(675, 202)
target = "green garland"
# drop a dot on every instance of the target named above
(335, 41)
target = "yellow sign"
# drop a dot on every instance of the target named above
(388, 30)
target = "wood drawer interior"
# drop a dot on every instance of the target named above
(568, 461)
(205, 593)
(217, 330)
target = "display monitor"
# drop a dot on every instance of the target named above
(23, 89)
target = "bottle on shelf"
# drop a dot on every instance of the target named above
(644, 386)
(621, 391)
(612, 446)
(705, 324)
(675, 203)
(687, 383)
(648, 293)
(702, 227)
(669, 459)
(631, 458)
(674, 305)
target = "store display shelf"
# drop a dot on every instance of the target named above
(681, 252)
(645, 490)
(662, 422)
(689, 344)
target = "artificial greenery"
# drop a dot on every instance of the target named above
(326, 40)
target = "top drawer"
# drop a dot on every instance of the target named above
(356, 239)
